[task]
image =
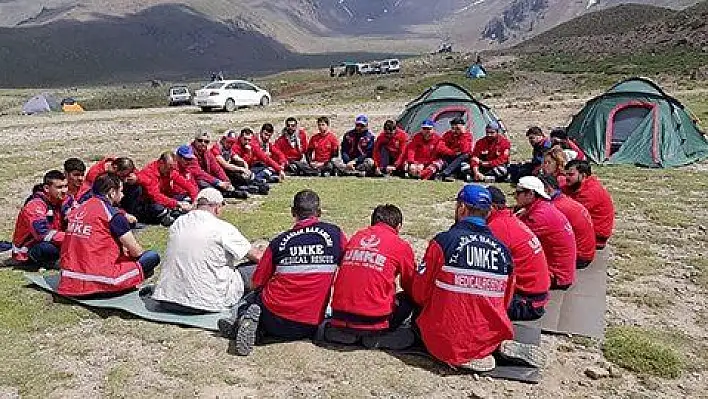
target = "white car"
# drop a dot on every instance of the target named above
(180, 95)
(229, 95)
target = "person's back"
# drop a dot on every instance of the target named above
(199, 270)
(597, 200)
(556, 235)
(365, 286)
(581, 222)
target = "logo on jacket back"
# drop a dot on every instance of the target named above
(371, 241)
(367, 255)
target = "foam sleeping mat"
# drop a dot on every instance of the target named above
(141, 306)
(581, 309)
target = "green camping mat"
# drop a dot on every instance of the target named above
(141, 306)
(581, 309)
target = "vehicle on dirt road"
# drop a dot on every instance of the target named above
(228, 95)
(180, 95)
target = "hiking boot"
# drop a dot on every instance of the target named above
(227, 327)
(237, 194)
(263, 189)
(360, 173)
(167, 220)
(396, 340)
(274, 179)
(326, 174)
(523, 354)
(340, 335)
(482, 365)
(247, 328)
(448, 179)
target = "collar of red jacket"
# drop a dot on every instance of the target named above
(302, 223)
(382, 225)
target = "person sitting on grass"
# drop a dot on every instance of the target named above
(553, 165)
(201, 271)
(423, 160)
(292, 143)
(164, 192)
(244, 154)
(357, 150)
(292, 282)
(100, 254)
(122, 166)
(490, 157)
(455, 147)
(262, 139)
(552, 229)
(40, 225)
(390, 150)
(540, 144)
(323, 149)
(463, 286)
(223, 152)
(75, 171)
(572, 151)
(585, 188)
(188, 167)
(531, 277)
(365, 305)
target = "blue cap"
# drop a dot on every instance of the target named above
(476, 196)
(493, 125)
(428, 123)
(362, 120)
(185, 151)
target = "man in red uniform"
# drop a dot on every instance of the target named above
(490, 156)
(579, 218)
(422, 153)
(263, 140)
(244, 154)
(99, 253)
(560, 137)
(365, 305)
(587, 189)
(552, 229)
(237, 172)
(463, 286)
(292, 143)
(39, 229)
(163, 189)
(293, 280)
(123, 167)
(531, 277)
(322, 149)
(206, 158)
(455, 148)
(390, 149)
(188, 167)
(75, 170)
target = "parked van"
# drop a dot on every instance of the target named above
(390, 65)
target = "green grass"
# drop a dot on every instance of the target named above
(640, 351)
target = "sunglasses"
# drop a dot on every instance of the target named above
(205, 141)
(291, 126)
(521, 191)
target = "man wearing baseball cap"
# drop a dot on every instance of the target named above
(490, 156)
(531, 278)
(423, 160)
(201, 271)
(552, 229)
(463, 286)
(188, 167)
(358, 150)
(455, 147)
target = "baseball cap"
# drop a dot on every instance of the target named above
(231, 136)
(457, 121)
(362, 120)
(210, 196)
(534, 184)
(428, 123)
(493, 125)
(475, 195)
(185, 151)
(202, 134)
(498, 197)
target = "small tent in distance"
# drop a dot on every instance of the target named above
(41, 103)
(636, 122)
(476, 71)
(70, 105)
(442, 103)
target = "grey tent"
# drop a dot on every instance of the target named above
(44, 102)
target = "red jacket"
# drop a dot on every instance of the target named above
(557, 238)
(395, 145)
(296, 271)
(323, 147)
(271, 151)
(598, 202)
(91, 257)
(94, 171)
(253, 154)
(292, 153)
(530, 265)
(192, 172)
(580, 220)
(492, 152)
(39, 220)
(452, 144)
(207, 161)
(423, 152)
(571, 145)
(464, 286)
(161, 189)
(365, 286)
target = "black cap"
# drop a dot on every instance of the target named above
(457, 121)
(498, 197)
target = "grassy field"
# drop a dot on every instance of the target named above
(658, 277)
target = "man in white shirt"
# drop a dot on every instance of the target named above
(199, 273)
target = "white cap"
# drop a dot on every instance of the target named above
(210, 196)
(534, 184)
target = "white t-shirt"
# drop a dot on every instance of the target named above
(199, 267)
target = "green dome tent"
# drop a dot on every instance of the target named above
(442, 103)
(636, 122)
